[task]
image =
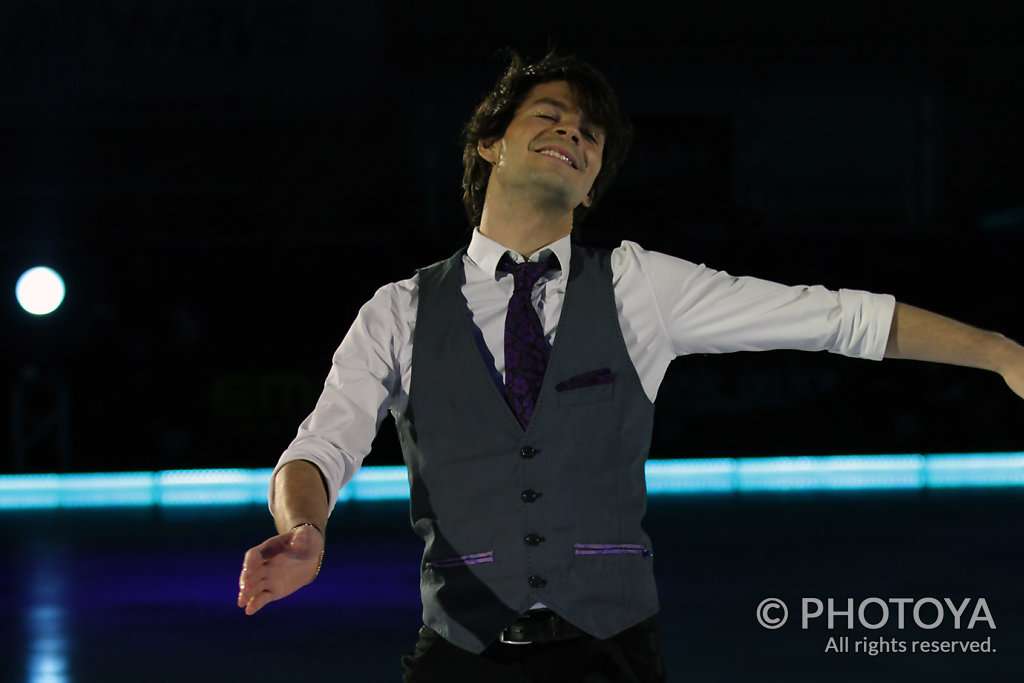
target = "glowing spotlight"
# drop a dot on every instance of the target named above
(40, 290)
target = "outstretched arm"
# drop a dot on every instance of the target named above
(917, 334)
(285, 563)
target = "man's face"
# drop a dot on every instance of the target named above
(549, 147)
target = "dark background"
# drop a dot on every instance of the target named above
(222, 184)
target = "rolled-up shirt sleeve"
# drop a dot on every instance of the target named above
(702, 310)
(364, 380)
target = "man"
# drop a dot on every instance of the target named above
(522, 373)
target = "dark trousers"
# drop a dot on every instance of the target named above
(633, 656)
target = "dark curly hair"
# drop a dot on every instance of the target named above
(493, 115)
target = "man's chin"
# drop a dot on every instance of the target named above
(558, 197)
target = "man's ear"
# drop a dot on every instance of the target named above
(589, 199)
(488, 149)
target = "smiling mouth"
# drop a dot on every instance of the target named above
(556, 155)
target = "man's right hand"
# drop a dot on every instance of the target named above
(279, 566)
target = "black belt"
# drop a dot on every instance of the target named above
(539, 626)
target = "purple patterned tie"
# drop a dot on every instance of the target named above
(526, 349)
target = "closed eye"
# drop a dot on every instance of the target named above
(587, 132)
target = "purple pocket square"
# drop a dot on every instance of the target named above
(590, 378)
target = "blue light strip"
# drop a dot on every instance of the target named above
(664, 477)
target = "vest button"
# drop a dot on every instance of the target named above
(533, 539)
(537, 582)
(529, 495)
(527, 452)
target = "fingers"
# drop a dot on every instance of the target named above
(254, 591)
(256, 582)
(253, 575)
(278, 567)
(258, 601)
(253, 558)
(258, 586)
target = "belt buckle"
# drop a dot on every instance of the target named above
(520, 628)
(502, 639)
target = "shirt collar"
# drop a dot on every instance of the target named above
(486, 253)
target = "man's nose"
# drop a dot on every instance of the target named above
(572, 132)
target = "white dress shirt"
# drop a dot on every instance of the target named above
(667, 307)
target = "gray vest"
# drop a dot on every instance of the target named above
(550, 514)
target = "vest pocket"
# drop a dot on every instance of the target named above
(591, 394)
(610, 549)
(461, 560)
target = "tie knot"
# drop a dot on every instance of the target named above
(527, 273)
